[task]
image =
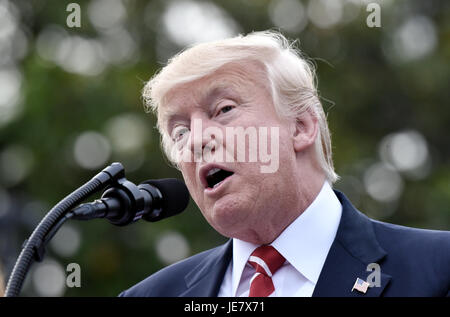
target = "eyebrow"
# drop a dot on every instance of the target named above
(170, 119)
(218, 92)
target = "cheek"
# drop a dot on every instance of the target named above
(189, 175)
(188, 171)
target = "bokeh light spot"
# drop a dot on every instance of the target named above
(288, 15)
(91, 150)
(383, 183)
(172, 247)
(49, 278)
(189, 22)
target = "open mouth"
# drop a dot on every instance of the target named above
(216, 175)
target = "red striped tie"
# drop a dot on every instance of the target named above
(266, 261)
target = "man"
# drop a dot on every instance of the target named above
(292, 235)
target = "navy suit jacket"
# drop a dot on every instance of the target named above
(413, 262)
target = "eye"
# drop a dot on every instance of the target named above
(179, 133)
(225, 109)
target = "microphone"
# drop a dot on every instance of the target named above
(125, 203)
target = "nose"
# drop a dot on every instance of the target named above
(205, 137)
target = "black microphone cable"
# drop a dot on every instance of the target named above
(122, 203)
(33, 247)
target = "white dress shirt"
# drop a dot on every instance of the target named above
(304, 244)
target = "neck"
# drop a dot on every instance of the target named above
(307, 191)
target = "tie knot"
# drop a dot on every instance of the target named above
(266, 260)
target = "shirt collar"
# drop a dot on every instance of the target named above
(304, 243)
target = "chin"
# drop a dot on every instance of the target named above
(228, 215)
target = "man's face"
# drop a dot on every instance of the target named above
(239, 200)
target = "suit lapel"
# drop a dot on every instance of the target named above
(206, 278)
(354, 247)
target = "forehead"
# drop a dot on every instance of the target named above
(234, 80)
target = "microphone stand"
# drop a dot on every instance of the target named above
(33, 248)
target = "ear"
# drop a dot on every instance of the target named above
(305, 131)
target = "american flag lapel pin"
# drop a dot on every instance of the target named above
(360, 285)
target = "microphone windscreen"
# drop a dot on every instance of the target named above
(175, 196)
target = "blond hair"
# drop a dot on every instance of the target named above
(291, 79)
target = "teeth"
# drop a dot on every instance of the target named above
(212, 171)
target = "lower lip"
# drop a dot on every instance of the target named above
(212, 191)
